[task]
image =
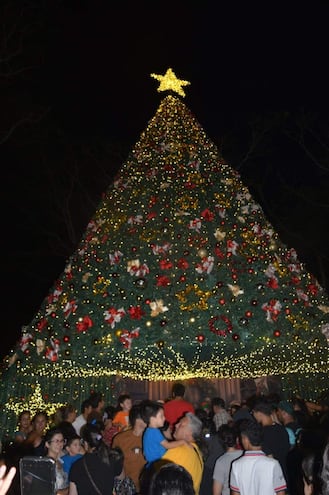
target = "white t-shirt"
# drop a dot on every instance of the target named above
(78, 423)
(255, 473)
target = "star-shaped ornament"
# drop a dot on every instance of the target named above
(170, 82)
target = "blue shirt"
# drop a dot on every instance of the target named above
(68, 460)
(152, 448)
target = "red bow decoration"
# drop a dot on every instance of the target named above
(127, 337)
(84, 324)
(52, 350)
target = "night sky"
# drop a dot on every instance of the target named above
(76, 98)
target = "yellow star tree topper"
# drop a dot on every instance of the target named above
(170, 82)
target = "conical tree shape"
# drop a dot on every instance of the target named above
(178, 275)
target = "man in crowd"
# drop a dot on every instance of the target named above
(177, 406)
(255, 473)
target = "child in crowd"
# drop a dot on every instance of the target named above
(155, 444)
(121, 419)
(73, 451)
(109, 428)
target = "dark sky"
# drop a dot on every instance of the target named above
(90, 77)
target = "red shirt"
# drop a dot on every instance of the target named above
(175, 409)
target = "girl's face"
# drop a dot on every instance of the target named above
(126, 404)
(55, 445)
(40, 423)
(25, 420)
(74, 447)
(158, 420)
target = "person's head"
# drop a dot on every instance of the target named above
(251, 434)
(54, 442)
(108, 415)
(217, 403)
(40, 421)
(262, 412)
(86, 408)
(153, 414)
(73, 445)
(69, 413)
(285, 412)
(228, 435)
(24, 420)
(188, 428)
(124, 402)
(171, 479)
(178, 390)
(135, 417)
(97, 401)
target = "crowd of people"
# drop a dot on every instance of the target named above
(260, 447)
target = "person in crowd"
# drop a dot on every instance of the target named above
(315, 470)
(221, 474)
(97, 406)
(94, 473)
(35, 440)
(121, 418)
(188, 454)
(243, 412)
(171, 479)
(275, 436)
(73, 452)
(155, 444)
(220, 415)
(175, 408)
(86, 408)
(211, 447)
(286, 416)
(109, 428)
(254, 472)
(123, 484)
(301, 412)
(64, 418)
(130, 442)
(6, 478)
(54, 443)
(24, 427)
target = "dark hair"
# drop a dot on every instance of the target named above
(109, 412)
(71, 439)
(92, 435)
(253, 431)
(121, 399)
(52, 432)
(218, 401)
(149, 409)
(264, 407)
(85, 404)
(135, 413)
(95, 399)
(40, 413)
(172, 479)
(228, 435)
(21, 414)
(178, 390)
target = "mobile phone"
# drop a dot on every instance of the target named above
(37, 475)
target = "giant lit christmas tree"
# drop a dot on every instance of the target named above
(178, 275)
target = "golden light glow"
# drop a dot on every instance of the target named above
(169, 82)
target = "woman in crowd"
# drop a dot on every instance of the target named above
(35, 441)
(24, 426)
(54, 442)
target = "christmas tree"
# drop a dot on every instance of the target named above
(178, 275)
